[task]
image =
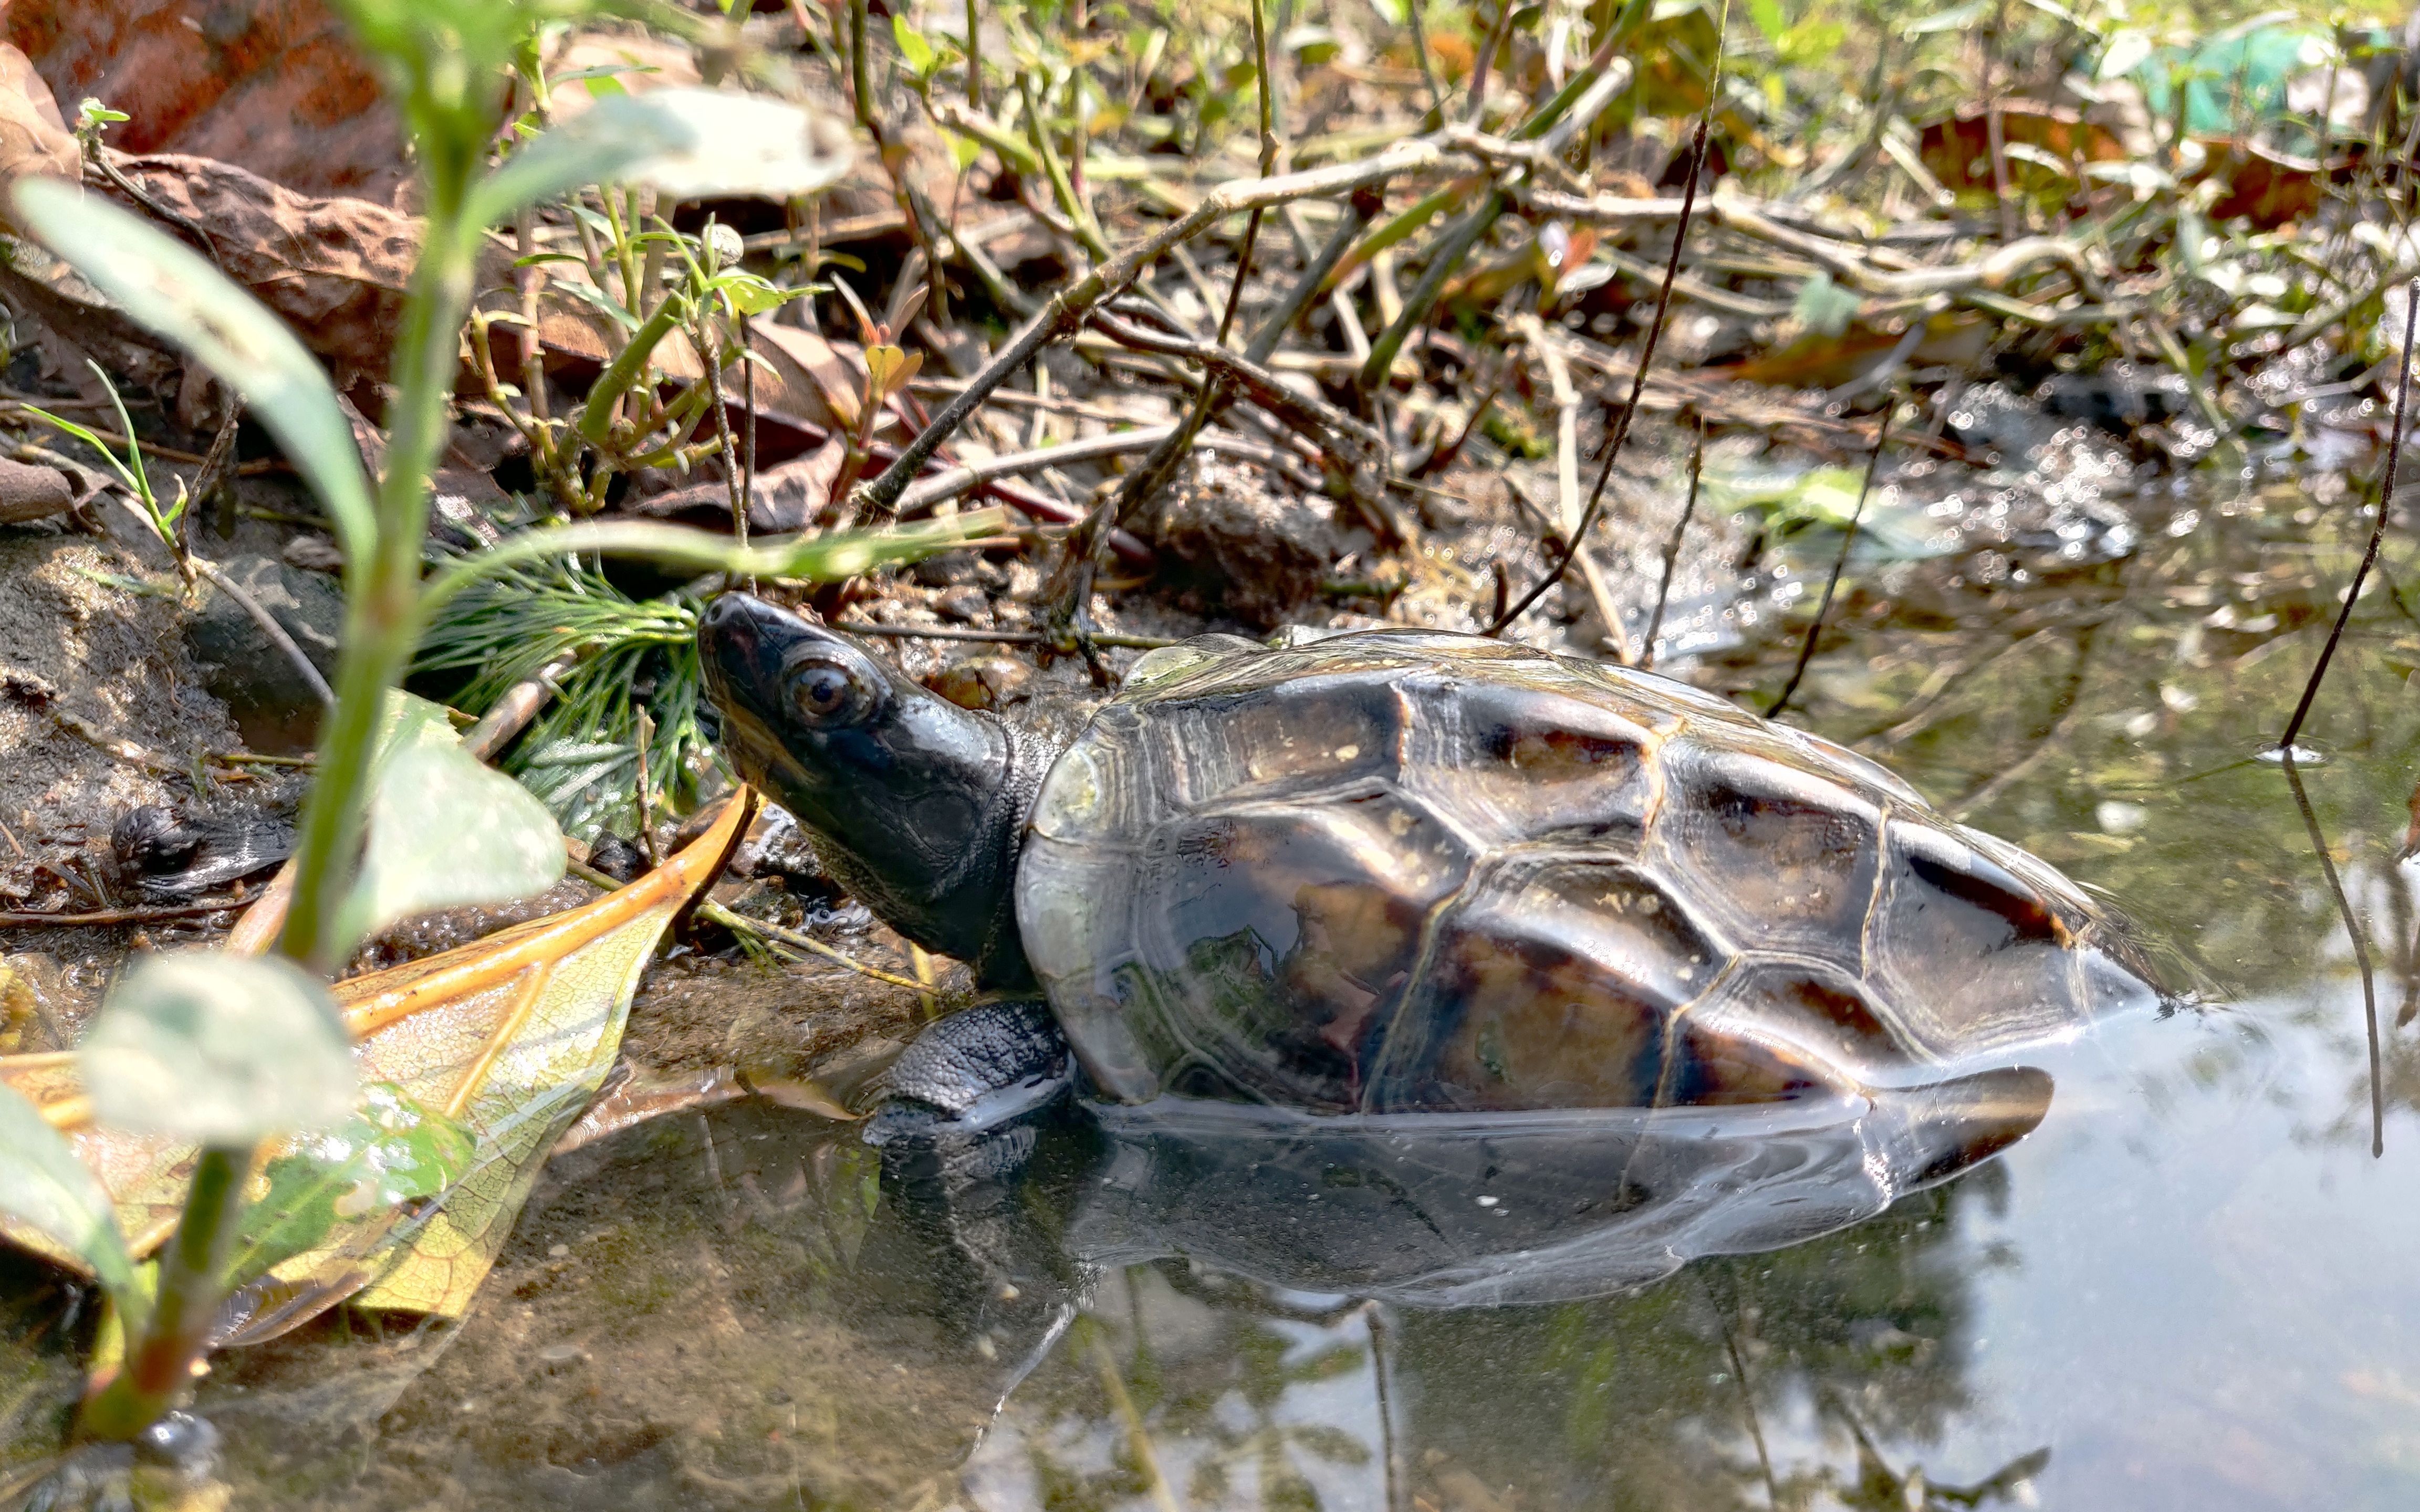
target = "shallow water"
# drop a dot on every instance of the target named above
(2190, 1288)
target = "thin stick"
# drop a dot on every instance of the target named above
(1421, 48)
(1003, 638)
(1487, 51)
(124, 916)
(2377, 533)
(277, 634)
(1567, 481)
(1071, 307)
(2360, 938)
(1138, 1436)
(967, 475)
(742, 924)
(1637, 384)
(1832, 584)
(1672, 552)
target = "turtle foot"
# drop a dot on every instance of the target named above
(971, 1073)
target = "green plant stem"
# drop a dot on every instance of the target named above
(821, 558)
(596, 414)
(383, 610)
(159, 1365)
(975, 58)
(1062, 187)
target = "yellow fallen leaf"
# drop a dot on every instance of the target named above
(511, 1036)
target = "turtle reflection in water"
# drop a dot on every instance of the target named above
(1488, 975)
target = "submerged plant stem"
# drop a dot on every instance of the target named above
(2369, 557)
(1832, 583)
(159, 1366)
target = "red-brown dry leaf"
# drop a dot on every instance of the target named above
(335, 269)
(33, 137)
(2267, 188)
(270, 85)
(30, 492)
(1958, 148)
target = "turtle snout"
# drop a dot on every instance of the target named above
(731, 641)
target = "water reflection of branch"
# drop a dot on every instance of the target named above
(1138, 1436)
(2353, 932)
(1754, 1425)
(1881, 1489)
(2068, 711)
(2406, 951)
(1374, 1316)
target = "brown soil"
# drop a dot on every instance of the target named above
(90, 633)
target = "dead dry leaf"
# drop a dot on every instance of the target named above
(335, 269)
(34, 138)
(277, 90)
(510, 1036)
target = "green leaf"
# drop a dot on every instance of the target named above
(46, 1188)
(1769, 18)
(912, 46)
(1823, 306)
(220, 1050)
(693, 143)
(168, 288)
(446, 832)
(1956, 18)
(751, 295)
(392, 1150)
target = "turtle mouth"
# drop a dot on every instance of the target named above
(742, 643)
(734, 651)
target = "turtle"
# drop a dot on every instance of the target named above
(1417, 875)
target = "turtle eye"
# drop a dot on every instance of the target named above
(819, 690)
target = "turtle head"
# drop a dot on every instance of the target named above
(915, 805)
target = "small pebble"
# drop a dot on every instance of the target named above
(966, 604)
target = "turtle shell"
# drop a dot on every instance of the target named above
(1413, 872)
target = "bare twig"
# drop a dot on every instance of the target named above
(1001, 637)
(936, 487)
(1351, 440)
(1672, 552)
(2377, 535)
(511, 714)
(269, 628)
(1071, 307)
(1567, 481)
(1553, 126)
(1832, 584)
(1637, 383)
(124, 916)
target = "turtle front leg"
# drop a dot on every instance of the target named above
(975, 1072)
